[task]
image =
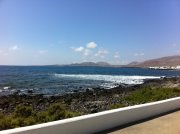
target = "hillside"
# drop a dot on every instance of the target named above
(100, 64)
(164, 61)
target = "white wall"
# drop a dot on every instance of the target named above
(100, 121)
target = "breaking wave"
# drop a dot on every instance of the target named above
(118, 79)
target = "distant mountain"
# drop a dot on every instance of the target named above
(164, 61)
(103, 63)
(99, 64)
(133, 63)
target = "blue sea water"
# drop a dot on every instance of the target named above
(53, 80)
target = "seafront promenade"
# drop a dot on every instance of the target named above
(167, 124)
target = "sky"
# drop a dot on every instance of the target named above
(45, 32)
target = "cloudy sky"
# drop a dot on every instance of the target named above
(39, 32)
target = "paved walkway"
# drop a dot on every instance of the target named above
(168, 124)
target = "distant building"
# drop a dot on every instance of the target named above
(177, 67)
(165, 67)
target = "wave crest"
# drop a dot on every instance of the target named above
(120, 79)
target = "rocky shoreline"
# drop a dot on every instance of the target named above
(90, 101)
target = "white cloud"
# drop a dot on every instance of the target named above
(78, 49)
(116, 55)
(86, 52)
(89, 50)
(101, 53)
(42, 51)
(178, 51)
(5, 54)
(82, 50)
(139, 54)
(174, 45)
(14, 48)
(91, 45)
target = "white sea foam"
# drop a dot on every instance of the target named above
(119, 79)
(5, 88)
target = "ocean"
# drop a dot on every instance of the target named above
(55, 80)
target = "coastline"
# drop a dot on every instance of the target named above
(97, 99)
(93, 101)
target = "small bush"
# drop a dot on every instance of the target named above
(23, 111)
(30, 121)
(17, 122)
(42, 117)
(176, 90)
(119, 105)
(71, 114)
(147, 94)
(56, 112)
(5, 122)
(55, 108)
(25, 116)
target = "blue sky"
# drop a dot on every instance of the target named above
(40, 32)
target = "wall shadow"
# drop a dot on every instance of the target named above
(135, 122)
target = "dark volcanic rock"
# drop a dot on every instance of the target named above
(89, 101)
